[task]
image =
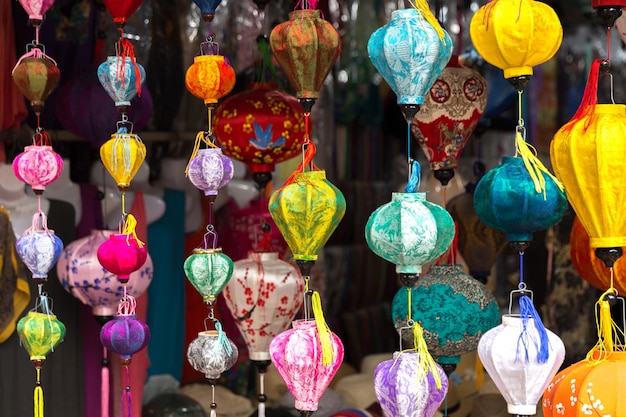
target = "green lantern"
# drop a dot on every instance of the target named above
(208, 270)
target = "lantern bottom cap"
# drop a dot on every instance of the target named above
(260, 356)
(306, 405)
(522, 409)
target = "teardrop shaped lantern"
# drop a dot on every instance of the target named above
(586, 154)
(121, 77)
(410, 52)
(207, 8)
(123, 253)
(210, 170)
(122, 155)
(36, 9)
(506, 198)
(515, 36)
(210, 78)
(39, 248)
(36, 76)
(121, 10)
(208, 270)
(39, 165)
(306, 48)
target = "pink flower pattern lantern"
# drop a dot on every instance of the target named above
(38, 166)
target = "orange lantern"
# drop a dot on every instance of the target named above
(210, 78)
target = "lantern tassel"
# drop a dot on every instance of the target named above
(38, 405)
(322, 328)
(422, 6)
(130, 226)
(589, 100)
(607, 329)
(527, 312)
(222, 340)
(104, 386)
(127, 398)
(535, 167)
(414, 179)
(427, 363)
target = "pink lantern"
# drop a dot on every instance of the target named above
(38, 166)
(81, 274)
(122, 255)
(36, 9)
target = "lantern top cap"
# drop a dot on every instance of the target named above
(208, 58)
(202, 251)
(211, 333)
(408, 196)
(308, 175)
(304, 13)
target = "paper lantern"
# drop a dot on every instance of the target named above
(122, 255)
(39, 248)
(479, 245)
(449, 115)
(40, 333)
(410, 52)
(36, 9)
(208, 270)
(506, 198)
(307, 211)
(261, 126)
(586, 153)
(121, 77)
(409, 232)
(405, 389)
(307, 358)
(121, 10)
(454, 309)
(38, 166)
(125, 335)
(210, 170)
(212, 353)
(122, 155)
(81, 274)
(210, 78)
(515, 36)
(36, 77)
(521, 360)
(207, 8)
(306, 48)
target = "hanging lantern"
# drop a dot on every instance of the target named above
(39, 248)
(81, 274)
(449, 115)
(121, 77)
(210, 78)
(306, 48)
(212, 353)
(36, 76)
(38, 165)
(36, 9)
(521, 356)
(410, 52)
(307, 357)
(515, 36)
(125, 335)
(210, 170)
(506, 198)
(121, 10)
(586, 153)
(208, 270)
(122, 155)
(207, 8)
(454, 309)
(262, 126)
(608, 10)
(123, 253)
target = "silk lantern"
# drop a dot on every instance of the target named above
(123, 253)
(521, 356)
(121, 10)
(39, 165)
(261, 126)
(121, 77)
(454, 309)
(609, 11)
(306, 48)
(210, 78)
(36, 75)
(307, 357)
(39, 248)
(449, 115)
(210, 170)
(208, 270)
(410, 52)
(586, 153)
(36, 9)
(515, 36)
(207, 8)
(122, 156)
(507, 199)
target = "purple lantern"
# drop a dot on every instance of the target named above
(125, 334)
(209, 170)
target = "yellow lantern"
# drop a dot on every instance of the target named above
(122, 155)
(516, 35)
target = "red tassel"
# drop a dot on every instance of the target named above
(590, 97)
(126, 49)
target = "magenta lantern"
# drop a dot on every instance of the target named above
(38, 166)
(209, 170)
(36, 9)
(125, 335)
(122, 255)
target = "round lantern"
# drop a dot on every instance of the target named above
(125, 335)
(208, 270)
(409, 232)
(39, 248)
(515, 36)
(210, 170)
(410, 52)
(521, 361)
(506, 199)
(207, 8)
(454, 309)
(306, 48)
(36, 77)
(81, 274)
(36, 9)
(121, 77)
(122, 155)
(122, 255)
(121, 10)
(38, 166)
(212, 353)
(404, 389)
(479, 244)
(210, 78)
(449, 115)
(261, 127)
(40, 333)
(305, 362)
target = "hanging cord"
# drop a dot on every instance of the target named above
(104, 384)
(127, 398)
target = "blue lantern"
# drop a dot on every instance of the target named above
(121, 77)
(410, 52)
(507, 199)
(207, 8)
(39, 248)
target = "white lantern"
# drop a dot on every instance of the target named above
(510, 353)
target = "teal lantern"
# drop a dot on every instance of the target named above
(507, 199)
(454, 309)
(208, 270)
(410, 52)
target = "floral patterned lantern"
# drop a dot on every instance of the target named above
(123, 253)
(208, 270)
(121, 77)
(210, 78)
(39, 248)
(39, 165)
(210, 170)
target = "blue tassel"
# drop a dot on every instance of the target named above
(528, 311)
(414, 181)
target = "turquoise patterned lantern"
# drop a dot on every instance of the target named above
(208, 270)
(507, 199)
(410, 52)
(121, 77)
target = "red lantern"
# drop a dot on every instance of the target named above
(122, 9)
(448, 117)
(261, 127)
(122, 255)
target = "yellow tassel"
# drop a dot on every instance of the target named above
(427, 363)
(38, 401)
(535, 167)
(322, 328)
(129, 228)
(480, 372)
(200, 138)
(422, 5)
(607, 330)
